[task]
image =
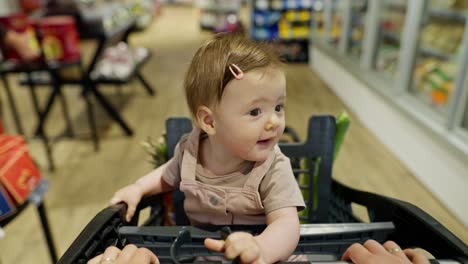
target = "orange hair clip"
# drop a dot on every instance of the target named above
(239, 75)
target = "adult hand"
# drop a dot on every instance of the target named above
(129, 254)
(373, 252)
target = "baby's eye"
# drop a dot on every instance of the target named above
(255, 112)
(279, 108)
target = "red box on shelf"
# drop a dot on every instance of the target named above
(60, 41)
(20, 23)
(7, 142)
(18, 173)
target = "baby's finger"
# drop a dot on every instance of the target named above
(130, 212)
(250, 255)
(214, 245)
(115, 200)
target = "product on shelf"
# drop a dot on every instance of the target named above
(19, 22)
(443, 37)
(18, 173)
(335, 31)
(119, 61)
(219, 16)
(387, 59)
(7, 207)
(286, 23)
(60, 40)
(435, 78)
(356, 34)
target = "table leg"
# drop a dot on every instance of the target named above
(40, 129)
(11, 100)
(45, 227)
(145, 83)
(63, 102)
(111, 110)
(91, 120)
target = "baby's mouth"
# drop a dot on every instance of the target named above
(264, 141)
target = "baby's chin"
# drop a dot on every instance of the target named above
(258, 157)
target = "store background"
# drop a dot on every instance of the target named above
(84, 179)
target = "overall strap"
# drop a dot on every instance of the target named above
(190, 155)
(258, 172)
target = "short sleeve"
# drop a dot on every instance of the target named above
(279, 188)
(171, 174)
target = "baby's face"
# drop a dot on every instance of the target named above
(250, 118)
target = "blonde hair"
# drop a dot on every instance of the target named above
(209, 73)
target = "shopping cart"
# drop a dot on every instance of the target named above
(331, 228)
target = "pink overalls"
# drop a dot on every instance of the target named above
(221, 205)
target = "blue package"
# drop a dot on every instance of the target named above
(6, 206)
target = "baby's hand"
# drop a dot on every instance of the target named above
(238, 244)
(131, 195)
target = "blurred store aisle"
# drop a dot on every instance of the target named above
(85, 180)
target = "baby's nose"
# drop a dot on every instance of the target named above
(272, 122)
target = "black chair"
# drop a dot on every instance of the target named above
(390, 218)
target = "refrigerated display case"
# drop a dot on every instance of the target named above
(355, 33)
(337, 9)
(409, 84)
(464, 123)
(318, 18)
(438, 55)
(392, 19)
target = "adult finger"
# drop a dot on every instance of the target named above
(416, 257)
(109, 255)
(138, 256)
(374, 246)
(394, 249)
(95, 260)
(126, 254)
(215, 245)
(357, 253)
(147, 255)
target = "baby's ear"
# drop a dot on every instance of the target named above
(205, 120)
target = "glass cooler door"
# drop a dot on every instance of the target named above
(392, 19)
(337, 7)
(439, 53)
(356, 30)
(464, 123)
(318, 19)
